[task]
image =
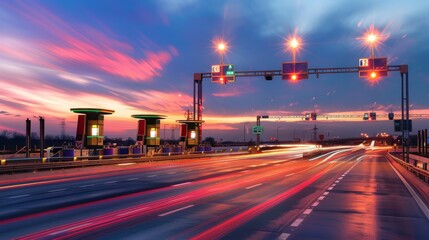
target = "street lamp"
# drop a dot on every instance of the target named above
(221, 47)
(294, 44)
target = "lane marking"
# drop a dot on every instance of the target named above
(245, 171)
(416, 197)
(325, 193)
(131, 179)
(19, 196)
(315, 204)
(152, 175)
(307, 211)
(68, 229)
(174, 211)
(128, 213)
(256, 185)
(290, 174)
(330, 188)
(297, 222)
(110, 182)
(283, 236)
(58, 190)
(88, 185)
(337, 181)
(321, 198)
(333, 185)
(181, 184)
(340, 178)
(126, 164)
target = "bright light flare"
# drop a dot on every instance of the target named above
(221, 47)
(373, 38)
(294, 43)
(373, 75)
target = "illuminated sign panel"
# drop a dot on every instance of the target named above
(372, 67)
(294, 70)
(223, 73)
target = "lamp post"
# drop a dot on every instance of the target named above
(221, 47)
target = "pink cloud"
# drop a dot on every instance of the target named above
(91, 48)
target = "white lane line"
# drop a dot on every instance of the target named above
(171, 173)
(126, 164)
(315, 204)
(152, 175)
(290, 174)
(297, 222)
(19, 196)
(307, 211)
(416, 197)
(256, 185)
(68, 229)
(58, 190)
(132, 179)
(174, 211)
(110, 182)
(340, 178)
(321, 198)
(333, 185)
(87, 185)
(283, 236)
(337, 181)
(330, 188)
(245, 171)
(128, 213)
(325, 193)
(181, 184)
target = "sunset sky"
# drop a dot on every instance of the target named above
(139, 57)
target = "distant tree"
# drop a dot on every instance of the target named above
(210, 140)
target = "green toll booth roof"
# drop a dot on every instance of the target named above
(92, 110)
(148, 116)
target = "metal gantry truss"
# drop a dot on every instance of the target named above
(268, 74)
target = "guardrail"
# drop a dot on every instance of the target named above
(35, 164)
(413, 167)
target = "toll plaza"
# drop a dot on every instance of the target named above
(90, 127)
(149, 130)
(190, 132)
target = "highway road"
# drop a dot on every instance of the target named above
(350, 193)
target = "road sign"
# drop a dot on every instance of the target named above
(294, 70)
(223, 73)
(257, 129)
(215, 68)
(363, 62)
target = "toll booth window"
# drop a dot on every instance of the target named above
(153, 132)
(193, 134)
(94, 130)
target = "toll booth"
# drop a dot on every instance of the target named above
(148, 129)
(190, 132)
(90, 127)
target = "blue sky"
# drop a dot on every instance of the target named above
(139, 57)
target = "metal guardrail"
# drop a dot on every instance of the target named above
(419, 172)
(35, 164)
